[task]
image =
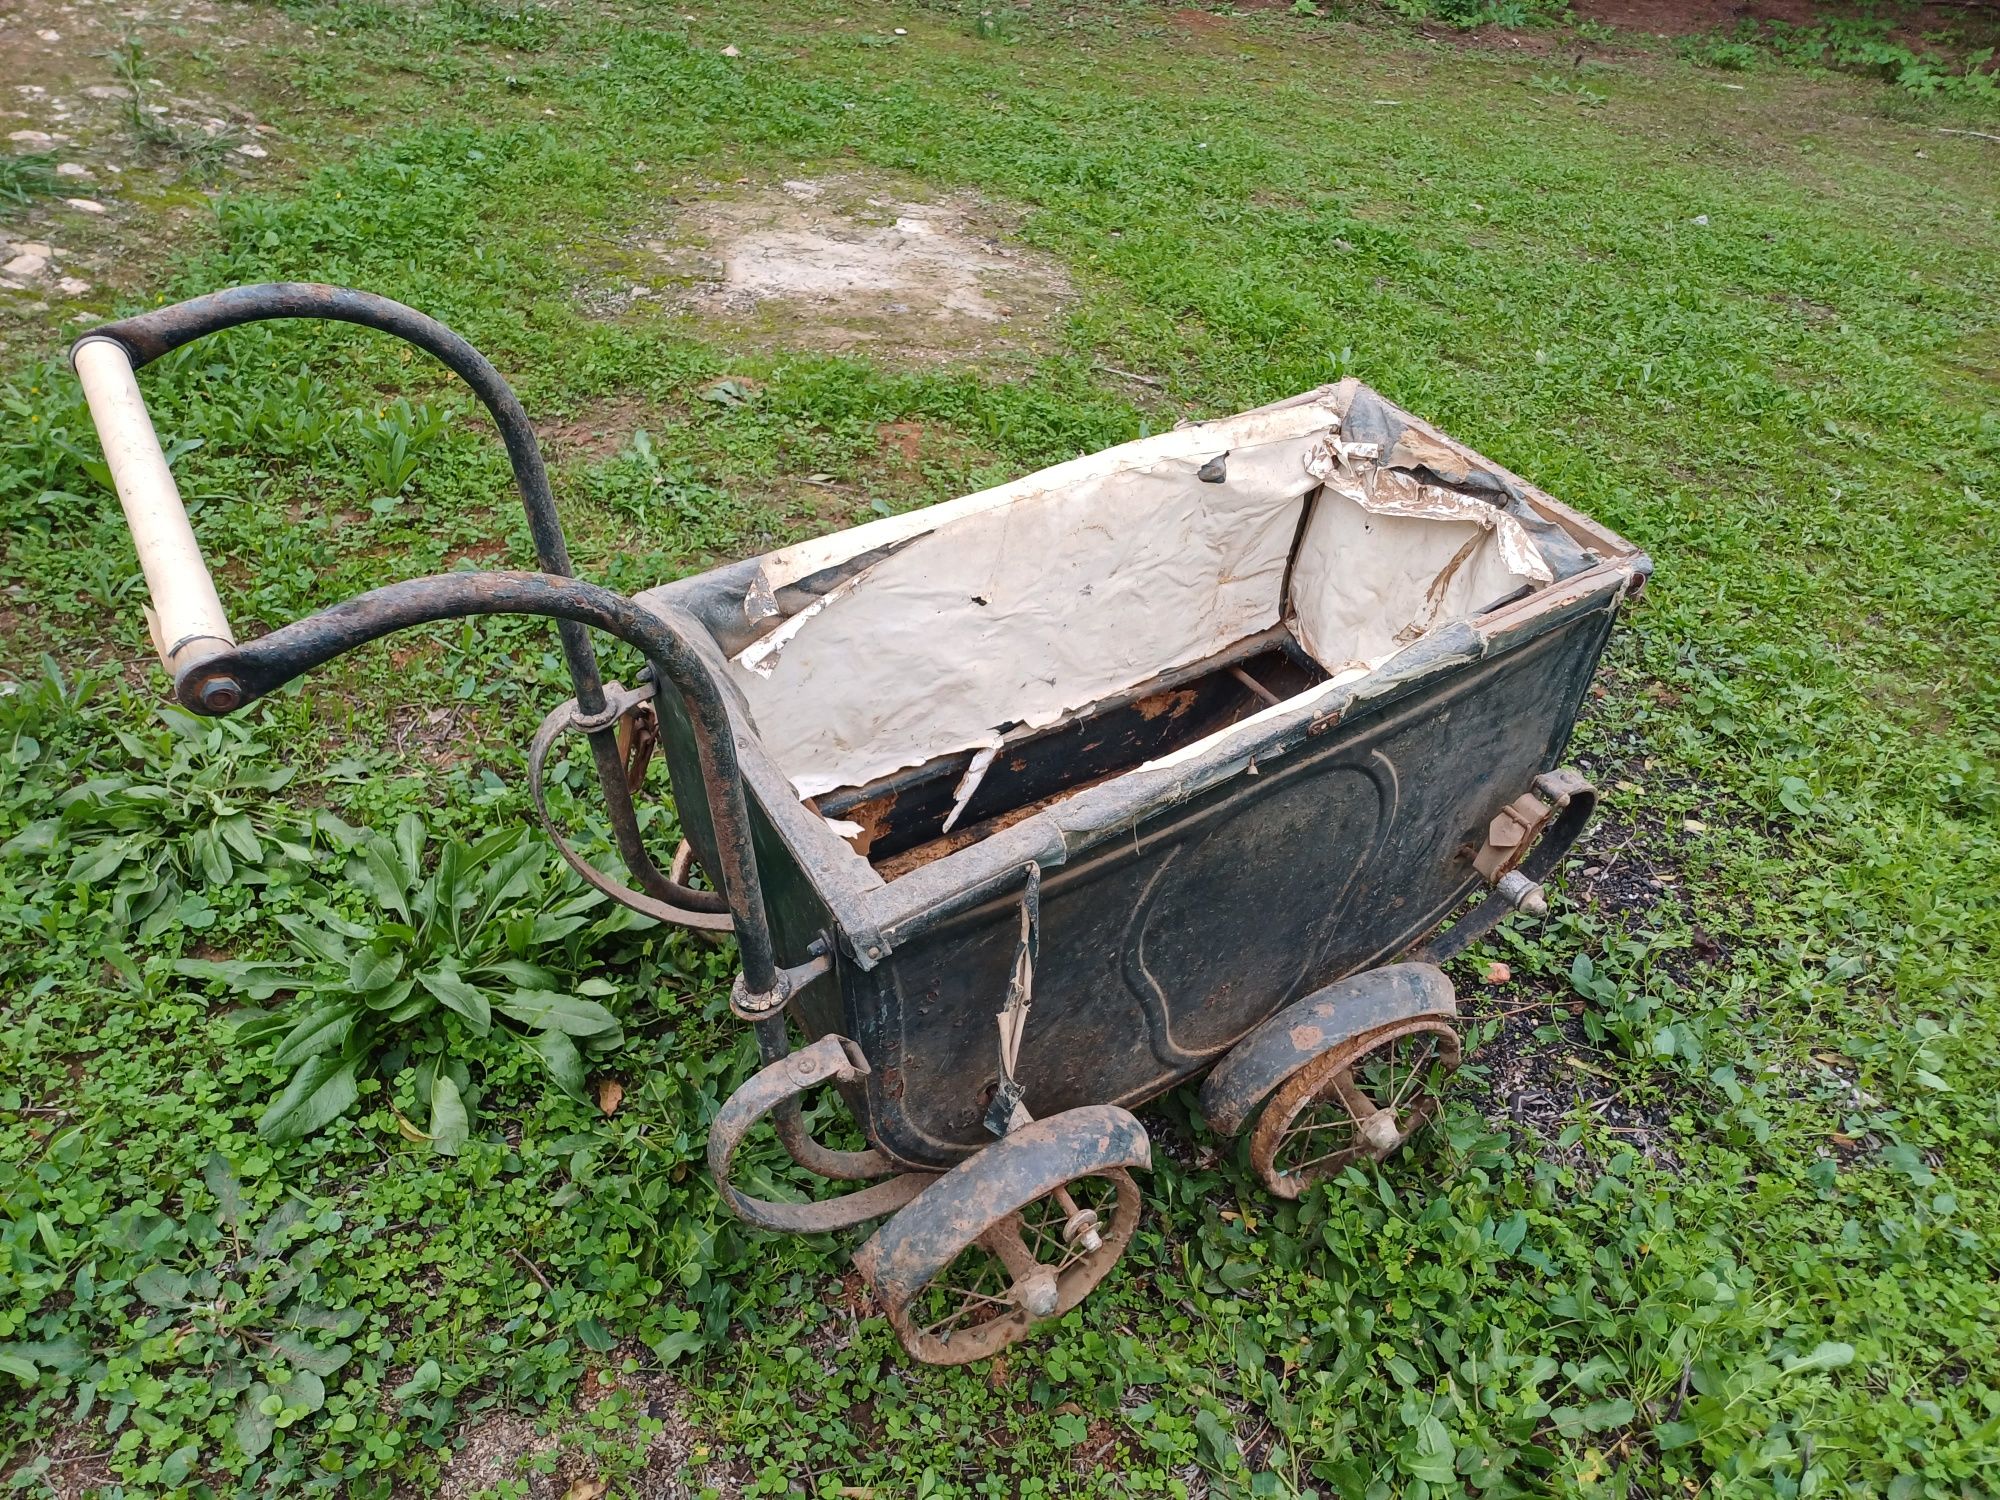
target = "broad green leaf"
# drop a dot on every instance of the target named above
(323, 1029)
(426, 1378)
(306, 1390)
(178, 1464)
(1825, 1356)
(161, 1286)
(98, 862)
(564, 1063)
(549, 929)
(468, 1000)
(39, 837)
(550, 1010)
(409, 842)
(238, 974)
(511, 876)
(449, 1125)
(303, 1354)
(336, 831)
(377, 870)
(375, 967)
(1602, 1416)
(321, 1090)
(1430, 1457)
(400, 1002)
(219, 1174)
(255, 1427)
(390, 1000)
(527, 975)
(240, 836)
(318, 942)
(327, 917)
(22, 1370)
(212, 855)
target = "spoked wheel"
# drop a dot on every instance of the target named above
(1021, 1232)
(1361, 1100)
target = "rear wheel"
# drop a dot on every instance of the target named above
(1361, 1100)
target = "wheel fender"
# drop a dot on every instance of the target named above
(1320, 1022)
(1023, 1165)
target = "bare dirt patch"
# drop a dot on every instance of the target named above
(854, 263)
(495, 1449)
(90, 88)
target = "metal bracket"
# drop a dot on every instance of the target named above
(1524, 843)
(831, 1059)
(689, 907)
(746, 1006)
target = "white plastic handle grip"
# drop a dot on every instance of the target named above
(186, 615)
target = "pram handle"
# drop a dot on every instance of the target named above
(186, 614)
(190, 628)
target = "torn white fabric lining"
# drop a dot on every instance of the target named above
(1028, 602)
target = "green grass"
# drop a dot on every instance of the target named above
(1750, 329)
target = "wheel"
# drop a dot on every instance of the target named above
(1023, 1231)
(1361, 1099)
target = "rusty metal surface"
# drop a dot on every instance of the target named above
(980, 1203)
(1340, 1114)
(1574, 801)
(776, 1088)
(696, 910)
(1314, 1026)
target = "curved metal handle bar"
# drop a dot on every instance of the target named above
(148, 335)
(250, 671)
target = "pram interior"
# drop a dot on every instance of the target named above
(931, 678)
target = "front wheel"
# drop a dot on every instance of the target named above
(1021, 1232)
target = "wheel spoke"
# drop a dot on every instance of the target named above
(1417, 1066)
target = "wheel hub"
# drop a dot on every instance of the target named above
(1381, 1132)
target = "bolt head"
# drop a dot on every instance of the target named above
(221, 695)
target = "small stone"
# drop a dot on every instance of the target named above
(72, 169)
(36, 247)
(72, 286)
(1700, 219)
(85, 205)
(901, 32)
(1497, 973)
(24, 266)
(251, 148)
(49, 36)
(108, 91)
(731, 52)
(32, 138)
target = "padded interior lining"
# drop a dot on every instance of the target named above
(968, 624)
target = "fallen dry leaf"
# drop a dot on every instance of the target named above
(1498, 973)
(408, 1131)
(610, 1094)
(586, 1489)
